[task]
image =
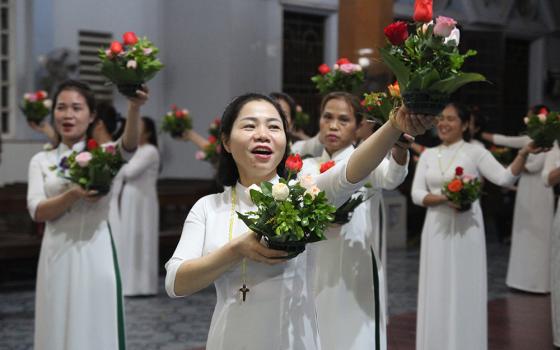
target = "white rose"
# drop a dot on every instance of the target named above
(47, 103)
(453, 38)
(131, 64)
(280, 191)
(313, 191)
(542, 118)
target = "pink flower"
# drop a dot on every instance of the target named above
(468, 178)
(110, 149)
(83, 159)
(307, 181)
(444, 26)
(147, 51)
(31, 97)
(131, 64)
(336, 66)
(200, 155)
(313, 191)
(109, 54)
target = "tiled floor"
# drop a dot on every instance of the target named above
(163, 323)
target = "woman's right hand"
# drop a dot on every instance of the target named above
(248, 246)
(87, 195)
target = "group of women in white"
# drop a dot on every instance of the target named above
(331, 296)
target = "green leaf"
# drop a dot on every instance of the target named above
(449, 85)
(397, 67)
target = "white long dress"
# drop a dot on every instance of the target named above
(552, 162)
(279, 312)
(452, 292)
(529, 260)
(137, 242)
(345, 282)
(78, 299)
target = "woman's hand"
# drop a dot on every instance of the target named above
(532, 148)
(141, 97)
(249, 247)
(412, 124)
(89, 196)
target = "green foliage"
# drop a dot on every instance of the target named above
(344, 212)
(337, 80)
(114, 67)
(35, 111)
(176, 121)
(543, 130)
(301, 217)
(378, 105)
(470, 191)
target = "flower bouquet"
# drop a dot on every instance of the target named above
(345, 76)
(130, 64)
(291, 213)
(503, 155)
(543, 128)
(379, 105)
(36, 106)
(176, 121)
(211, 152)
(427, 62)
(462, 190)
(344, 213)
(92, 169)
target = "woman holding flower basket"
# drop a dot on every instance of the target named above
(452, 288)
(529, 260)
(78, 298)
(264, 300)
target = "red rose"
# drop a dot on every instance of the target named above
(543, 110)
(179, 114)
(326, 166)
(40, 95)
(92, 144)
(129, 38)
(116, 47)
(217, 121)
(294, 163)
(324, 69)
(212, 139)
(455, 186)
(422, 11)
(343, 60)
(459, 171)
(396, 32)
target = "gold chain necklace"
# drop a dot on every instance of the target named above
(244, 290)
(443, 171)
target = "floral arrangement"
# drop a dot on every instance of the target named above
(543, 128)
(344, 213)
(378, 105)
(344, 76)
(36, 106)
(427, 61)
(462, 190)
(176, 121)
(503, 155)
(130, 64)
(301, 119)
(290, 213)
(92, 169)
(211, 152)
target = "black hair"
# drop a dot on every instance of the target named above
(86, 92)
(465, 116)
(480, 122)
(150, 127)
(289, 100)
(350, 99)
(228, 174)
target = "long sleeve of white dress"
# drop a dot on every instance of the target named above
(36, 185)
(511, 141)
(311, 146)
(140, 162)
(419, 185)
(535, 163)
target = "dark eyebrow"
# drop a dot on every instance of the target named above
(254, 119)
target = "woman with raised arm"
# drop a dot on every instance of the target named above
(78, 299)
(215, 247)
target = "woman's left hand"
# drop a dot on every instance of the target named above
(412, 124)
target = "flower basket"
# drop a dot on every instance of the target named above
(543, 128)
(426, 62)
(176, 121)
(130, 64)
(36, 106)
(92, 169)
(291, 213)
(344, 76)
(462, 190)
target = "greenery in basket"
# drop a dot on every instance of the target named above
(543, 128)
(176, 121)
(291, 210)
(36, 106)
